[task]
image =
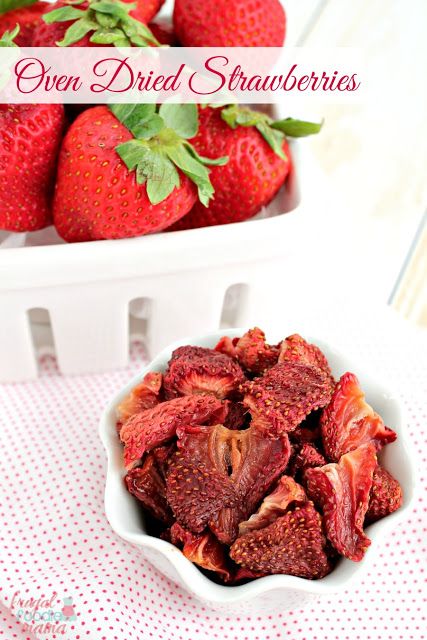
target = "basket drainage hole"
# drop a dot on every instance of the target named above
(42, 338)
(234, 305)
(139, 320)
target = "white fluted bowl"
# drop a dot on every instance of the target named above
(280, 592)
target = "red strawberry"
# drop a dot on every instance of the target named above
(30, 136)
(285, 395)
(230, 23)
(27, 18)
(163, 31)
(349, 421)
(274, 505)
(342, 491)
(96, 23)
(148, 485)
(154, 427)
(145, 395)
(124, 174)
(250, 179)
(293, 544)
(195, 370)
(203, 549)
(386, 495)
(218, 476)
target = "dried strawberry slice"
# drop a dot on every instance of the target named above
(145, 395)
(296, 349)
(227, 346)
(307, 457)
(254, 354)
(218, 476)
(274, 505)
(349, 421)
(285, 395)
(342, 491)
(293, 544)
(196, 370)
(202, 549)
(154, 427)
(148, 485)
(386, 495)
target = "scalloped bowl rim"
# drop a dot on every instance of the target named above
(345, 573)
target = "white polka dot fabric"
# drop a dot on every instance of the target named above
(56, 546)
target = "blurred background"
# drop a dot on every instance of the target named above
(374, 155)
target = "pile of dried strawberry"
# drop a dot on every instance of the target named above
(255, 460)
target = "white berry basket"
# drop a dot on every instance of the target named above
(86, 300)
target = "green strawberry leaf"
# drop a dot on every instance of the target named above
(76, 32)
(107, 36)
(297, 128)
(196, 171)
(160, 147)
(7, 39)
(274, 138)
(109, 20)
(63, 14)
(182, 118)
(141, 119)
(273, 132)
(163, 178)
(214, 162)
(152, 167)
(10, 5)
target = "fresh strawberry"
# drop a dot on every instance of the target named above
(274, 505)
(218, 476)
(128, 170)
(30, 135)
(293, 544)
(148, 485)
(163, 31)
(349, 421)
(194, 370)
(296, 349)
(259, 162)
(386, 495)
(145, 395)
(307, 457)
(281, 399)
(202, 549)
(154, 427)
(90, 23)
(249, 181)
(26, 17)
(342, 491)
(229, 23)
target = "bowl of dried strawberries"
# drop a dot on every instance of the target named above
(256, 475)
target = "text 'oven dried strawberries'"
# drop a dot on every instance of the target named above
(254, 461)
